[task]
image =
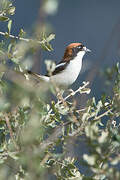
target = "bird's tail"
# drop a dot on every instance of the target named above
(38, 76)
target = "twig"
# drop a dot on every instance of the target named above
(67, 97)
(49, 38)
(102, 115)
(75, 92)
(58, 132)
(10, 130)
(70, 95)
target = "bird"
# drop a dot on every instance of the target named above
(68, 69)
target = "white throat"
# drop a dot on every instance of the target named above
(80, 55)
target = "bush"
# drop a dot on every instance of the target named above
(36, 132)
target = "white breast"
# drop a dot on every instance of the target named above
(70, 74)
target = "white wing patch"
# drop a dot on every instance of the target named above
(60, 65)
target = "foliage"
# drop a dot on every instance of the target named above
(35, 131)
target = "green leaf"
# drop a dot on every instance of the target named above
(46, 47)
(15, 60)
(22, 33)
(90, 159)
(4, 18)
(6, 35)
(50, 37)
(117, 67)
(1, 75)
(13, 155)
(1, 161)
(49, 47)
(9, 26)
(11, 10)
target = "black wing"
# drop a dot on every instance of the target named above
(60, 67)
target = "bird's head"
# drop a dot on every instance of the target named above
(73, 50)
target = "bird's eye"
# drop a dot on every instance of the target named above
(80, 47)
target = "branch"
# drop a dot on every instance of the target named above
(11, 132)
(75, 92)
(102, 115)
(53, 137)
(70, 95)
(49, 38)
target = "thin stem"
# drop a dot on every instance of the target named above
(10, 130)
(49, 38)
(102, 115)
(75, 92)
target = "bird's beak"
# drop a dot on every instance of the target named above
(86, 49)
